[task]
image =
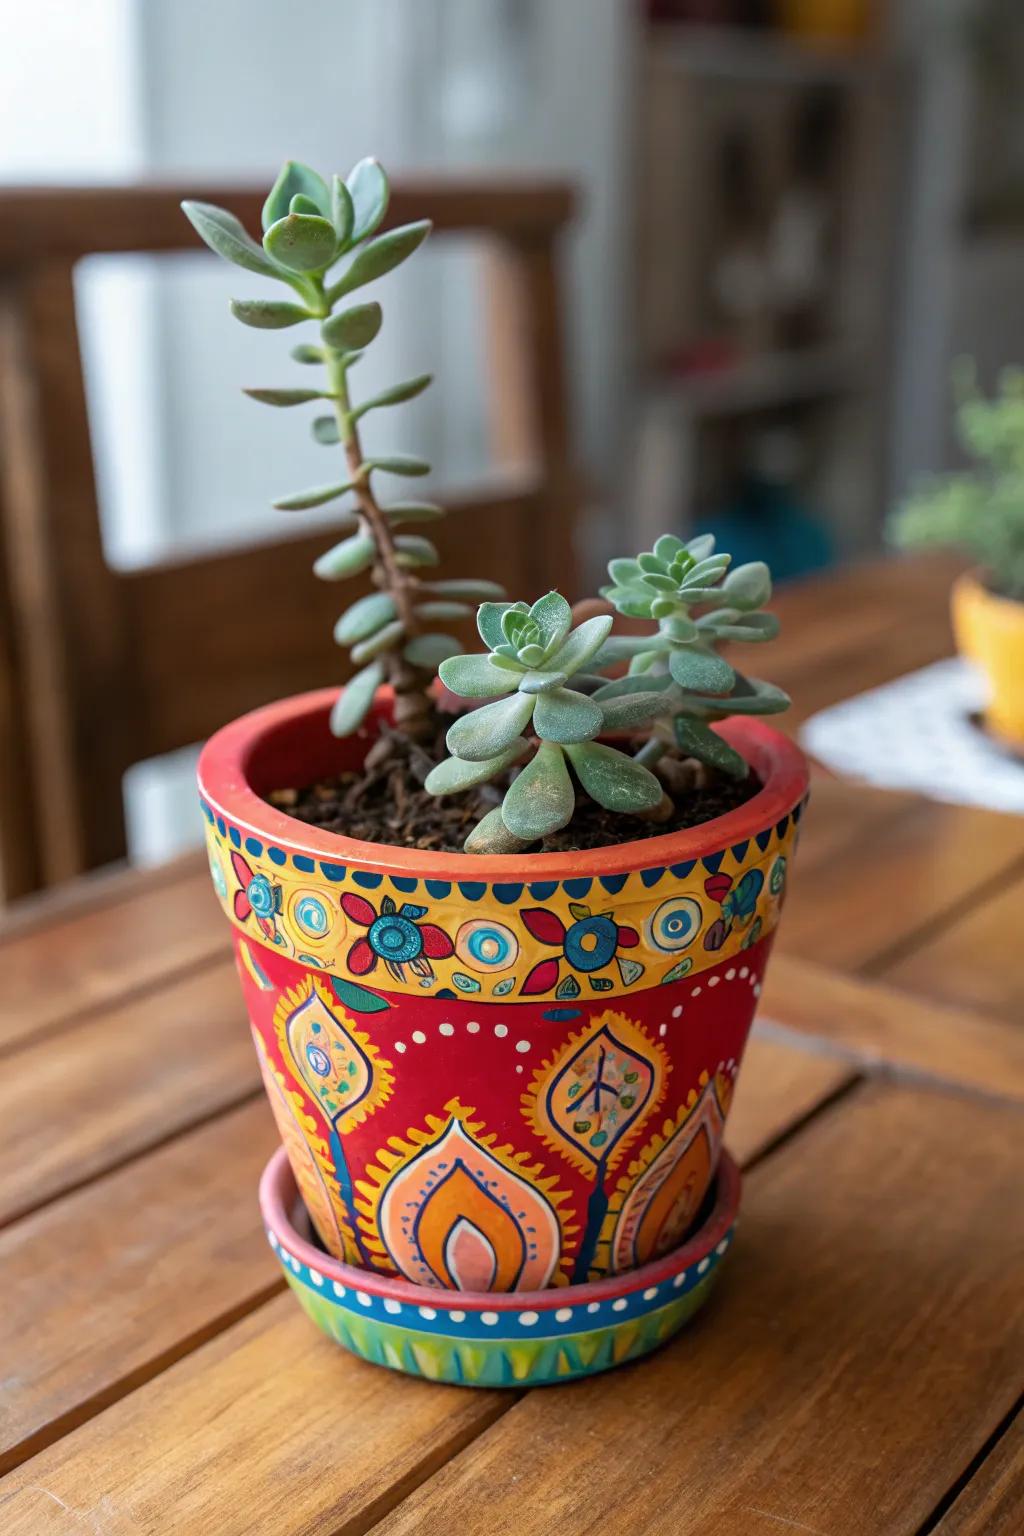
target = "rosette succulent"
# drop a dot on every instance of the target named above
(534, 672)
(308, 227)
(698, 603)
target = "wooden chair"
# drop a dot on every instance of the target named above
(101, 668)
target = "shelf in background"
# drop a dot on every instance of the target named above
(726, 53)
(759, 383)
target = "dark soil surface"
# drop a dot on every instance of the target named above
(385, 802)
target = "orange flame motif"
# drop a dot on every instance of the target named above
(451, 1210)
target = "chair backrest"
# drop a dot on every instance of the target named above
(102, 668)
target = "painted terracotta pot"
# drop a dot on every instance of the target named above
(990, 631)
(495, 1073)
(479, 1339)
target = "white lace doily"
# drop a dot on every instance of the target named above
(916, 733)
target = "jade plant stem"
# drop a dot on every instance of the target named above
(412, 704)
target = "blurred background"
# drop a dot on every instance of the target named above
(791, 216)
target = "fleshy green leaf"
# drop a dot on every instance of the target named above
(384, 640)
(466, 588)
(553, 616)
(353, 328)
(413, 512)
(353, 703)
(368, 188)
(701, 671)
(325, 430)
(624, 573)
(223, 233)
(564, 715)
(625, 647)
(302, 204)
(541, 799)
(442, 612)
(490, 835)
(399, 464)
(613, 779)
(301, 242)
(702, 546)
(413, 552)
(294, 177)
(630, 710)
(473, 677)
(700, 741)
(298, 501)
(396, 395)
(342, 211)
(753, 696)
(364, 618)
(268, 314)
(487, 731)
(428, 651)
(583, 643)
(283, 396)
(668, 546)
(748, 586)
(305, 353)
(381, 256)
(348, 558)
(453, 775)
(743, 626)
(488, 622)
(542, 682)
(630, 685)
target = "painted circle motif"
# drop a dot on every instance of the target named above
(395, 938)
(311, 917)
(261, 896)
(777, 878)
(318, 1060)
(675, 924)
(486, 946)
(590, 943)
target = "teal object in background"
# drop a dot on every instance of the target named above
(768, 522)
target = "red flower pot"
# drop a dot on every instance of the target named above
(495, 1073)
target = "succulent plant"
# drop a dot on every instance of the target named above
(308, 227)
(982, 511)
(697, 602)
(533, 652)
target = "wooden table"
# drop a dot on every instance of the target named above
(857, 1371)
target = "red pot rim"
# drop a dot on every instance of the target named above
(279, 1193)
(224, 782)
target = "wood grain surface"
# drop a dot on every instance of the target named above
(865, 1340)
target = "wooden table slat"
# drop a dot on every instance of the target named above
(120, 1083)
(878, 1025)
(992, 1504)
(177, 1239)
(133, 937)
(864, 1343)
(102, 1289)
(976, 961)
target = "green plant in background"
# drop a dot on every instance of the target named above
(308, 227)
(980, 511)
(551, 699)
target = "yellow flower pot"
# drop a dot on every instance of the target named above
(990, 632)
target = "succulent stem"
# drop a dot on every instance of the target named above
(412, 703)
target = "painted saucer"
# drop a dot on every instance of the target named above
(497, 1339)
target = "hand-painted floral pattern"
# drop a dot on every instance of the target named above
(590, 943)
(395, 935)
(739, 903)
(256, 897)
